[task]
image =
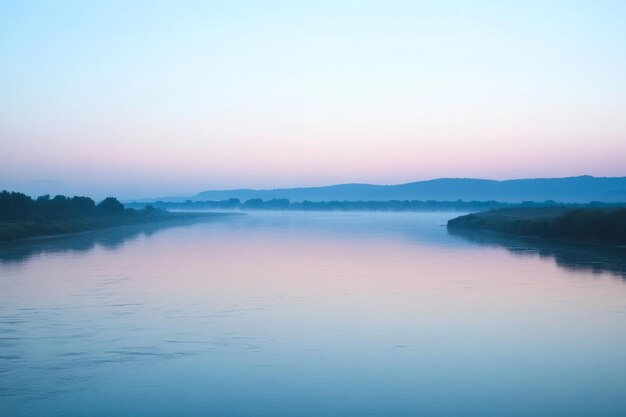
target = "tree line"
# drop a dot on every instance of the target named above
(391, 205)
(18, 207)
(582, 224)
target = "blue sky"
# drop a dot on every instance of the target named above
(151, 98)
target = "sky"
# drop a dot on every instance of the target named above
(154, 98)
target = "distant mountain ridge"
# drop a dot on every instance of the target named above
(581, 189)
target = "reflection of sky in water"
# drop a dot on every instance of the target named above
(304, 314)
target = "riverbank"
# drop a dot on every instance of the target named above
(44, 228)
(284, 204)
(591, 225)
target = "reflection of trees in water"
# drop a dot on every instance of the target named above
(572, 256)
(110, 239)
(568, 255)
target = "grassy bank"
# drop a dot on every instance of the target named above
(606, 226)
(23, 217)
(45, 227)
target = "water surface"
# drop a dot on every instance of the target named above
(305, 314)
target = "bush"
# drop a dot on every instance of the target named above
(111, 206)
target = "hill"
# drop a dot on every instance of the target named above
(582, 189)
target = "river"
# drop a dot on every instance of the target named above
(310, 314)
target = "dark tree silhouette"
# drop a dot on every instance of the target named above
(21, 216)
(581, 224)
(111, 206)
(84, 206)
(18, 207)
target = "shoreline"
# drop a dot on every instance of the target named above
(592, 226)
(35, 230)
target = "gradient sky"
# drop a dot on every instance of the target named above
(141, 99)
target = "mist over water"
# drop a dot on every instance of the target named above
(310, 314)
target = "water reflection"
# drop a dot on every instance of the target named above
(571, 256)
(280, 315)
(109, 239)
(379, 226)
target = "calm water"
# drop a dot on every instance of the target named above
(308, 314)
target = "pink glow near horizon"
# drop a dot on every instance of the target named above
(287, 96)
